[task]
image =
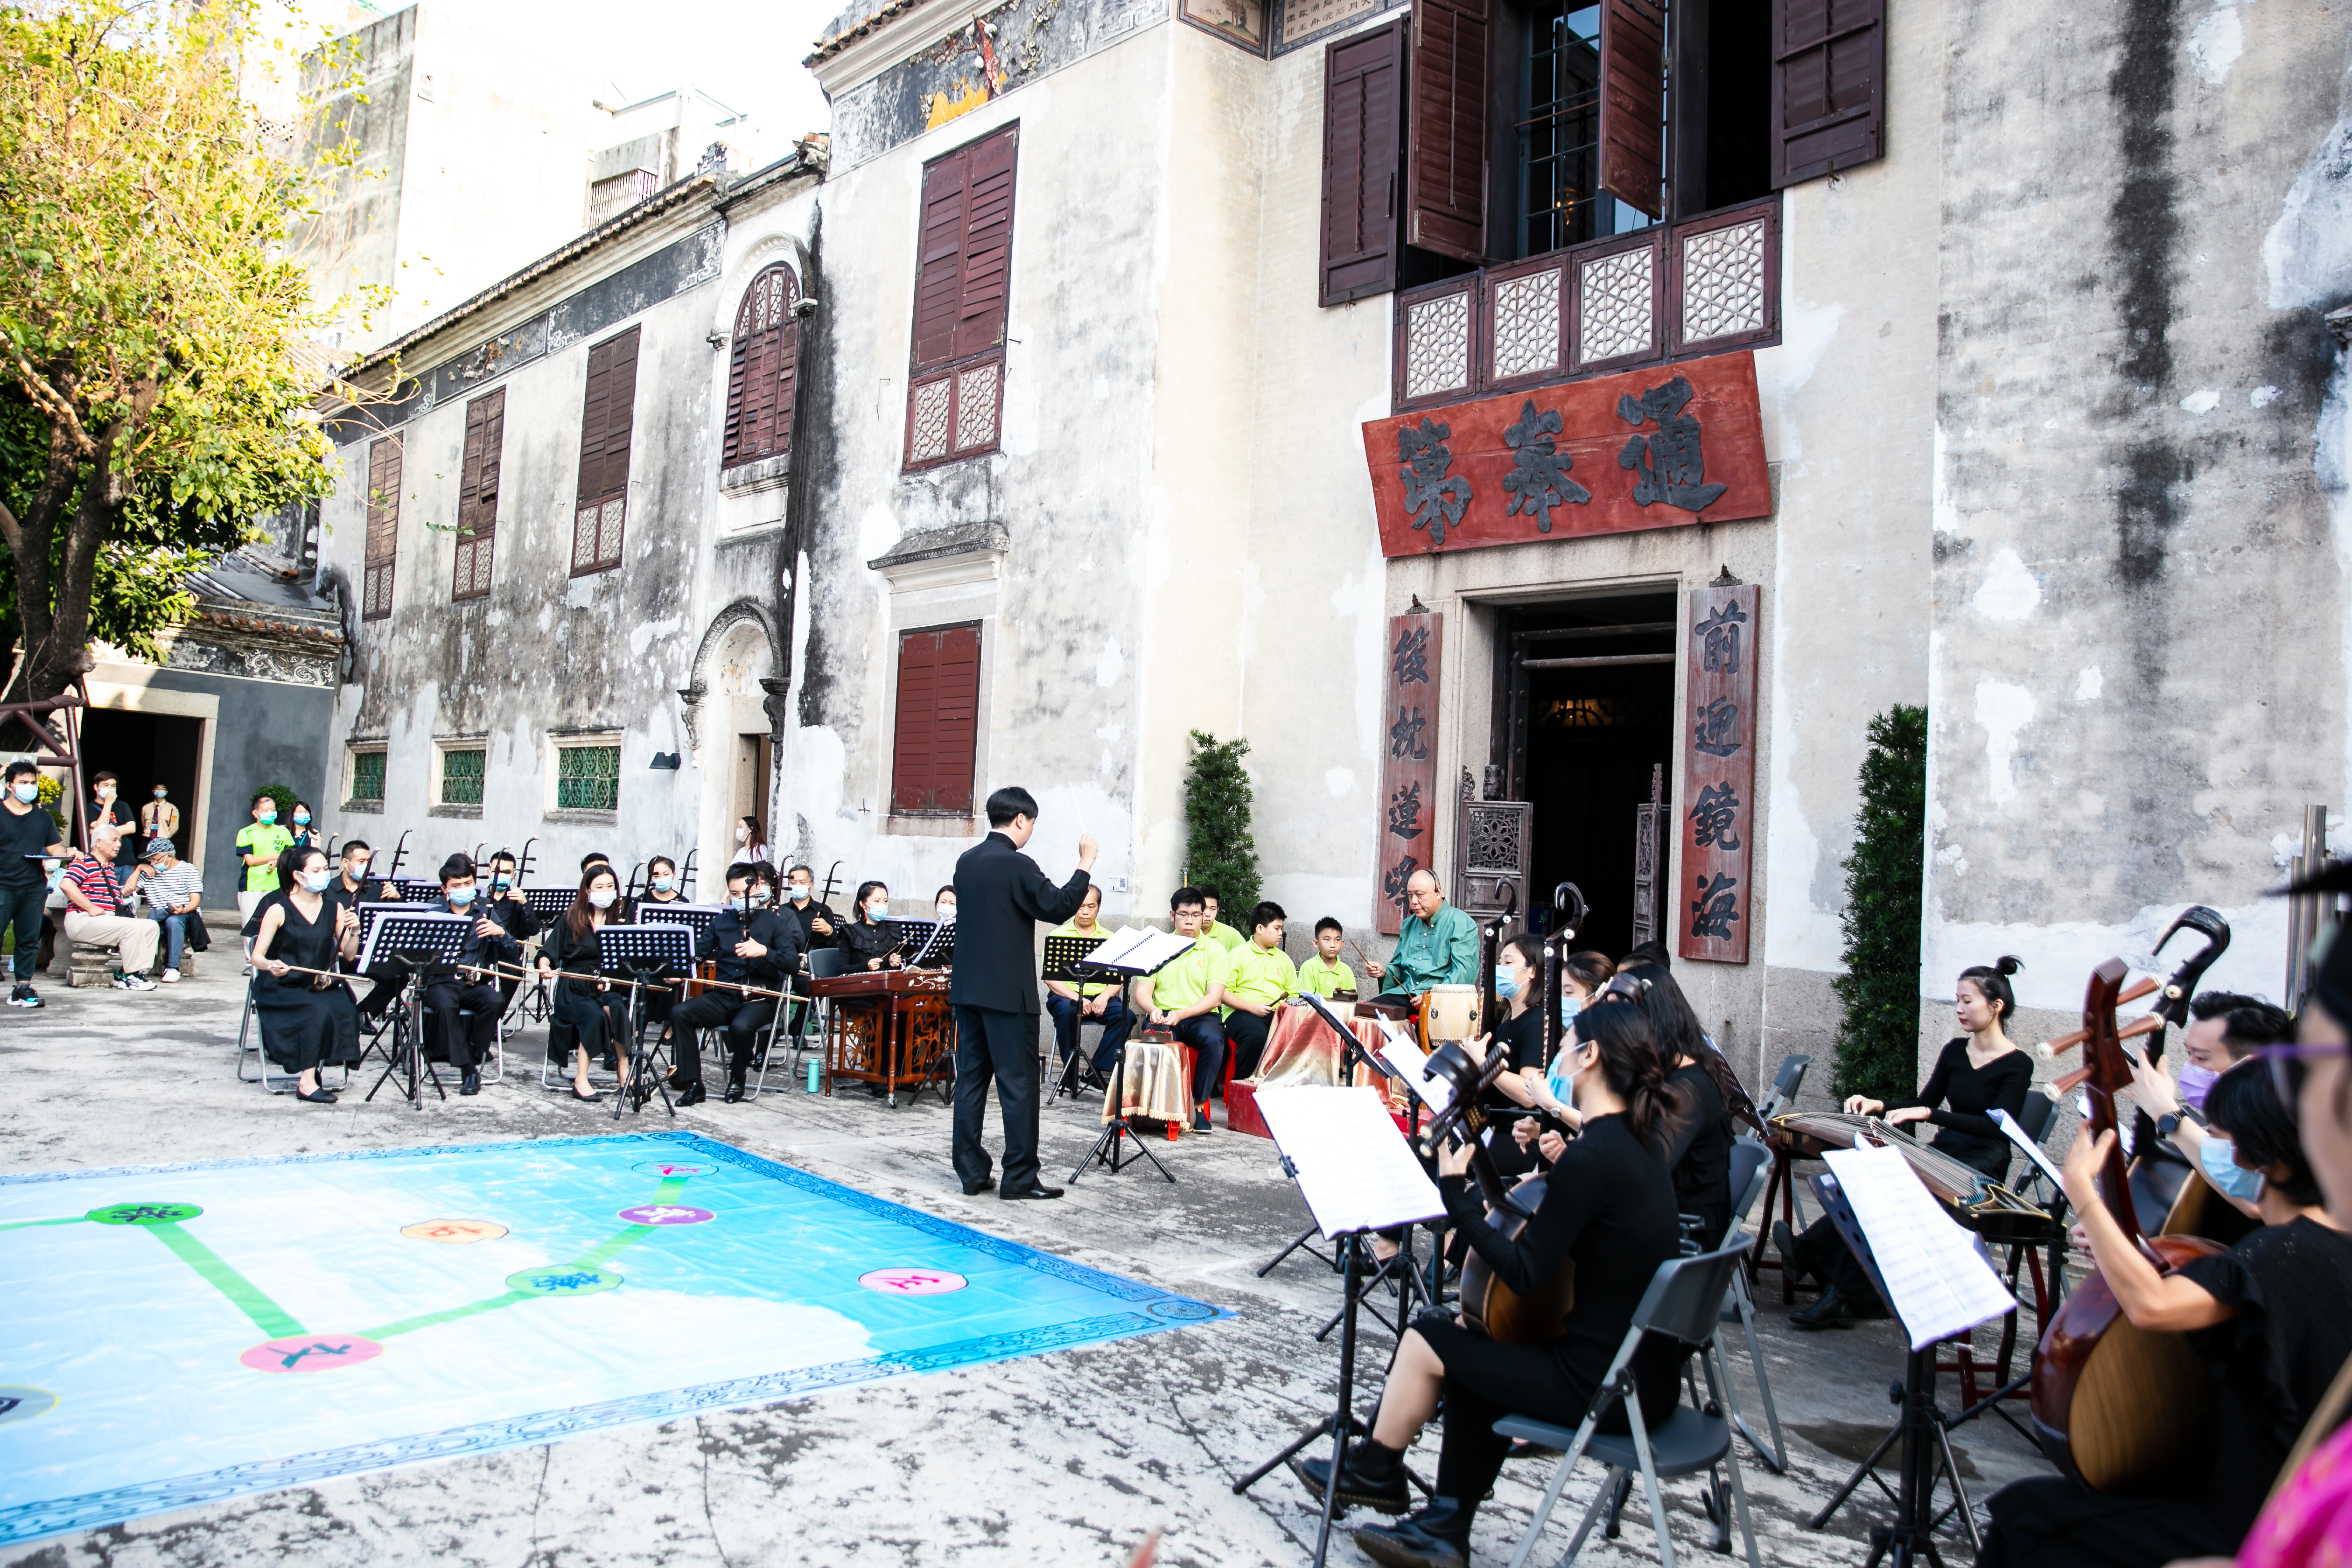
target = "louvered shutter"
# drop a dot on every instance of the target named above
(1446, 167)
(478, 495)
(1829, 86)
(1633, 102)
(383, 529)
(937, 723)
(607, 418)
(962, 286)
(1360, 146)
(760, 370)
(620, 414)
(939, 275)
(987, 246)
(598, 397)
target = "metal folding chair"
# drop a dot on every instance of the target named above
(1785, 1084)
(1749, 1162)
(1684, 1304)
(825, 963)
(249, 1039)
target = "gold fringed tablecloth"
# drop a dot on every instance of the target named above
(1155, 1082)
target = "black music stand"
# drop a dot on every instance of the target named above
(641, 953)
(698, 918)
(938, 951)
(415, 888)
(909, 936)
(1119, 1127)
(1065, 964)
(548, 903)
(1922, 1429)
(414, 940)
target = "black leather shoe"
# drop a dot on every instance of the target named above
(1831, 1311)
(1436, 1537)
(986, 1184)
(1033, 1193)
(471, 1083)
(1784, 1242)
(322, 1095)
(734, 1094)
(692, 1094)
(1372, 1478)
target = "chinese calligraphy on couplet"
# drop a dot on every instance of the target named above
(1408, 834)
(1718, 774)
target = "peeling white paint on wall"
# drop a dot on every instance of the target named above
(2216, 42)
(2262, 398)
(2088, 684)
(1108, 664)
(2307, 253)
(2010, 592)
(643, 635)
(2058, 956)
(1806, 329)
(2003, 710)
(2204, 400)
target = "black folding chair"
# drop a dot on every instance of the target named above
(1684, 1305)
(1751, 1165)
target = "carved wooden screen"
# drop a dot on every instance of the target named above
(1494, 843)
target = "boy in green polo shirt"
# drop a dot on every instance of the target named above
(1182, 998)
(1258, 978)
(258, 846)
(1324, 974)
(1215, 930)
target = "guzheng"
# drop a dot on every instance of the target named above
(1974, 1199)
(882, 982)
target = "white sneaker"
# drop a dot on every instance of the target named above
(170, 977)
(134, 983)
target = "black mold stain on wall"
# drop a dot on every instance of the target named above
(813, 484)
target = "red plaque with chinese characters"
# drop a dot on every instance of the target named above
(1408, 825)
(1718, 802)
(1651, 448)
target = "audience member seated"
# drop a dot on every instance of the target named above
(1101, 1003)
(174, 890)
(1183, 996)
(97, 912)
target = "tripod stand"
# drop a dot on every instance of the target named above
(643, 953)
(1118, 1129)
(412, 941)
(406, 1051)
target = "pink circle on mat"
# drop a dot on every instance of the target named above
(666, 1214)
(912, 1281)
(310, 1352)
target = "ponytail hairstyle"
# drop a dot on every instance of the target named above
(1530, 947)
(1616, 1024)
(1588, 969)
(1992, 979)
(1680, 1034)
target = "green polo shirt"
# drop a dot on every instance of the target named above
(1444, 952)
(1184, 981)
(1262, 975)
(1224, 935)
(268, 838)
(1070, 928)
(1325, 979)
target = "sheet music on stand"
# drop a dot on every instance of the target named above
(1139, 950)
(2033, 1151)
(1410, 1062)
(1353, 1167)
(433, 933)
(911, 935)
(1928, 1267)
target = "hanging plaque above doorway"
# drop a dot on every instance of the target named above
(1651, 448)
(1718, 802)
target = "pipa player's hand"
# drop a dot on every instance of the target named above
(1454, 1159)
(2152, 1087)
(2083, 1161)
(1551, 1146)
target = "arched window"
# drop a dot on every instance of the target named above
(760, 378)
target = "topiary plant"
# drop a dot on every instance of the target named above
(1879, 1035)
(1218, 848)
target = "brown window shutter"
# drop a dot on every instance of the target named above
(938, 275)
(599, 396)
(620, 414)
(607, 416)
(383, 529)
(959, 721)
(1360, 146)
(1829, 86)
(987, 245)
(938, 725)
(1446, 164)
(764, 358)
(478, 495)
(912, 784)
(1633, 102)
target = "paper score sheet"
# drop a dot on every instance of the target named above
(1940, 1283)
(1355, 1169)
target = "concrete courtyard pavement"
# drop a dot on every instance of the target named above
(1071, 1457)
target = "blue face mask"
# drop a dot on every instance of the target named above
(302, 819)
(2220, 1169)
(1568, 1008)
(663, 884)
(461, 897)
(267, 816)
(28, 792)
(1507, 984)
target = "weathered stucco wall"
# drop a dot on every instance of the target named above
(2140, 621)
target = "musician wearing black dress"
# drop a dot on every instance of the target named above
(470, 985)
(1978, 1073)
(2266, 1318)
(867, 940)
(750, 944)
(307, 1019)
(1610, 1207)
(590, 1008)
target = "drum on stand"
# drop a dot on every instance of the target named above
(1448, 1013)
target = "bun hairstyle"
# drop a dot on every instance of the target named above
(1615, 1024)
(1993, 981)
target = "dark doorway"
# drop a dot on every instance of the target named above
(144, 750)
(1583, 741)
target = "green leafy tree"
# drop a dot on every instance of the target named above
(154, 326)
(1218, 846)
(1879, 1035)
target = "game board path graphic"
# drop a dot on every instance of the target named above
(579, 1276)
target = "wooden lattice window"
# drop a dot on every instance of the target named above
(461, 774)
(762, 371)
(367, 776)
(478, 494)
(383, 528)
(587, 778)
(607, 416)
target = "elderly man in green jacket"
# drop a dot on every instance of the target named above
(1439, 945)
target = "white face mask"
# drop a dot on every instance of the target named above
(357, 871)
(947, 911)
(106, 792)
(741, 901)
(799, 892)
(742, 835)
(600, 899)
(461, 897)
(28, 792)
(877, 908)
(317, 880)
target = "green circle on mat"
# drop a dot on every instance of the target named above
(21, 1402)
(143, 1214)
(562, 1280)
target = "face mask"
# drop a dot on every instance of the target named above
(600, 901)
(2215, 1155)
(1568, 1008)
(799, 892)
(2194, 1082)
(159, 795)
(267, 816)
(1507, 984)
(461, 897)
(741, 901)
(947, 911)
(317, 880)
(501, 882)
(28, 792)
(742, 835)
(875, 908)
(302, 819)
(664, 884)
(356, 873)
(106, 792)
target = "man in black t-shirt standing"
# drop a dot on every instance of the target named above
(27, 833)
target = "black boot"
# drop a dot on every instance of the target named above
(1373, 1478)
(1793, 1266)
(1831, 1311)
(1436, 1537)
(470, 1082)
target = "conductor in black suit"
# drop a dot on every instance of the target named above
(999, 896)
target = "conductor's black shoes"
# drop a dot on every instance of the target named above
(1033, 1193)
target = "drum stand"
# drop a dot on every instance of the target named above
(1341, 1426)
